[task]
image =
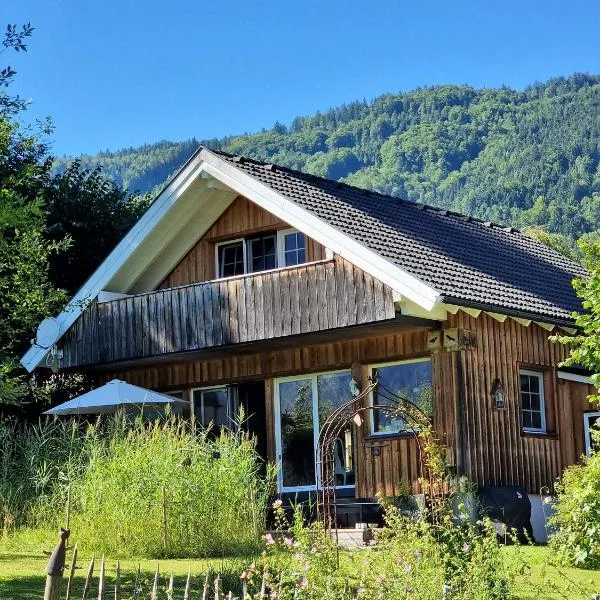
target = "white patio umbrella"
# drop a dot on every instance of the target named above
(112, 396)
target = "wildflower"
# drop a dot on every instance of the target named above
(269, 539)
(313, 550)
(304, 582)
(407, 568)
(288, 541)
(466, 547)
(380, 578)
(419, 554)
(278, 503)
(366, 562)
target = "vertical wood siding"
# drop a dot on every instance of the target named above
(261, 306)
(242, 218)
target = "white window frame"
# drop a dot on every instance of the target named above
(228, 243)
(540, 375)
(278, 441)
(208, 389)
(586, 431)
(281, 246)
(391, 364)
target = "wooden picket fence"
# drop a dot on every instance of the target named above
(212, 588)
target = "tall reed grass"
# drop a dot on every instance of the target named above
(137, 489)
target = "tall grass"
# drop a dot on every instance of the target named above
(137, 489)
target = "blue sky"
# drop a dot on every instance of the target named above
(119, 73)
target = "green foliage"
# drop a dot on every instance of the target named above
(528, 158)
(585, 347)
(214, 495)
(94, 214)
(410, 558)
(577, 520)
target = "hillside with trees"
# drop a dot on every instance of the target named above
(528, 158)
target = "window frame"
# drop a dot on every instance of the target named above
(587, 438)
(218, 245)
(209, 389)
(315, 413)
(281, 233)
(248, 251)
(400, 432)
(543, 430)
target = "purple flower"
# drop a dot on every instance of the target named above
(466, 547)
(304, 582)
(288, 541)
(278, 503)
(407, 568)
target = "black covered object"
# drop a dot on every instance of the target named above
(509, 505)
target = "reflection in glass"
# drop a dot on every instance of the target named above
(411, 380)
(297, 433)
(334, 389)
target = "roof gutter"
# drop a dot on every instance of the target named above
(521, 314)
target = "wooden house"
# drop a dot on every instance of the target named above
(249, 284)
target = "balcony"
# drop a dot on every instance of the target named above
(305, 299)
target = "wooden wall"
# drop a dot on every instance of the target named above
(242, 218)
(496, 452)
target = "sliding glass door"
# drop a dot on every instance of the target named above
(302, 404)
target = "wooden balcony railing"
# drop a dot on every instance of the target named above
(261, 306)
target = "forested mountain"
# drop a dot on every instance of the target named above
(528, 157)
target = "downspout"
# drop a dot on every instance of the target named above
(459, 413)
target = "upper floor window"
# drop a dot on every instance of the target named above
(533, 405)
(285, 248)
(262, 253)
(231, 258)
(411, 380)
(292, 248)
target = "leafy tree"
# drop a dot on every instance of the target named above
(26, 291)
(94, 213)
(585, 347)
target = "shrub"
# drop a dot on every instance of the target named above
(577, 518)
(127, 478)
(411, 558)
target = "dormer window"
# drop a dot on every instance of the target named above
(285, 248)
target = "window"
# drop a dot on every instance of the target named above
(214, 406)
(262, 253)
(231, 258)
(591, 423)
(292, 248)
(285, 248)
(409, 379)
(533, 410)
(303, 404)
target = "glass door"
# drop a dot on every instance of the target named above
(302, 404)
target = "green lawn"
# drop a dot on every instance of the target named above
(22, 575)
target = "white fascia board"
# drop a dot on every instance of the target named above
(574, 377)
(115, 260)
(398, 280)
